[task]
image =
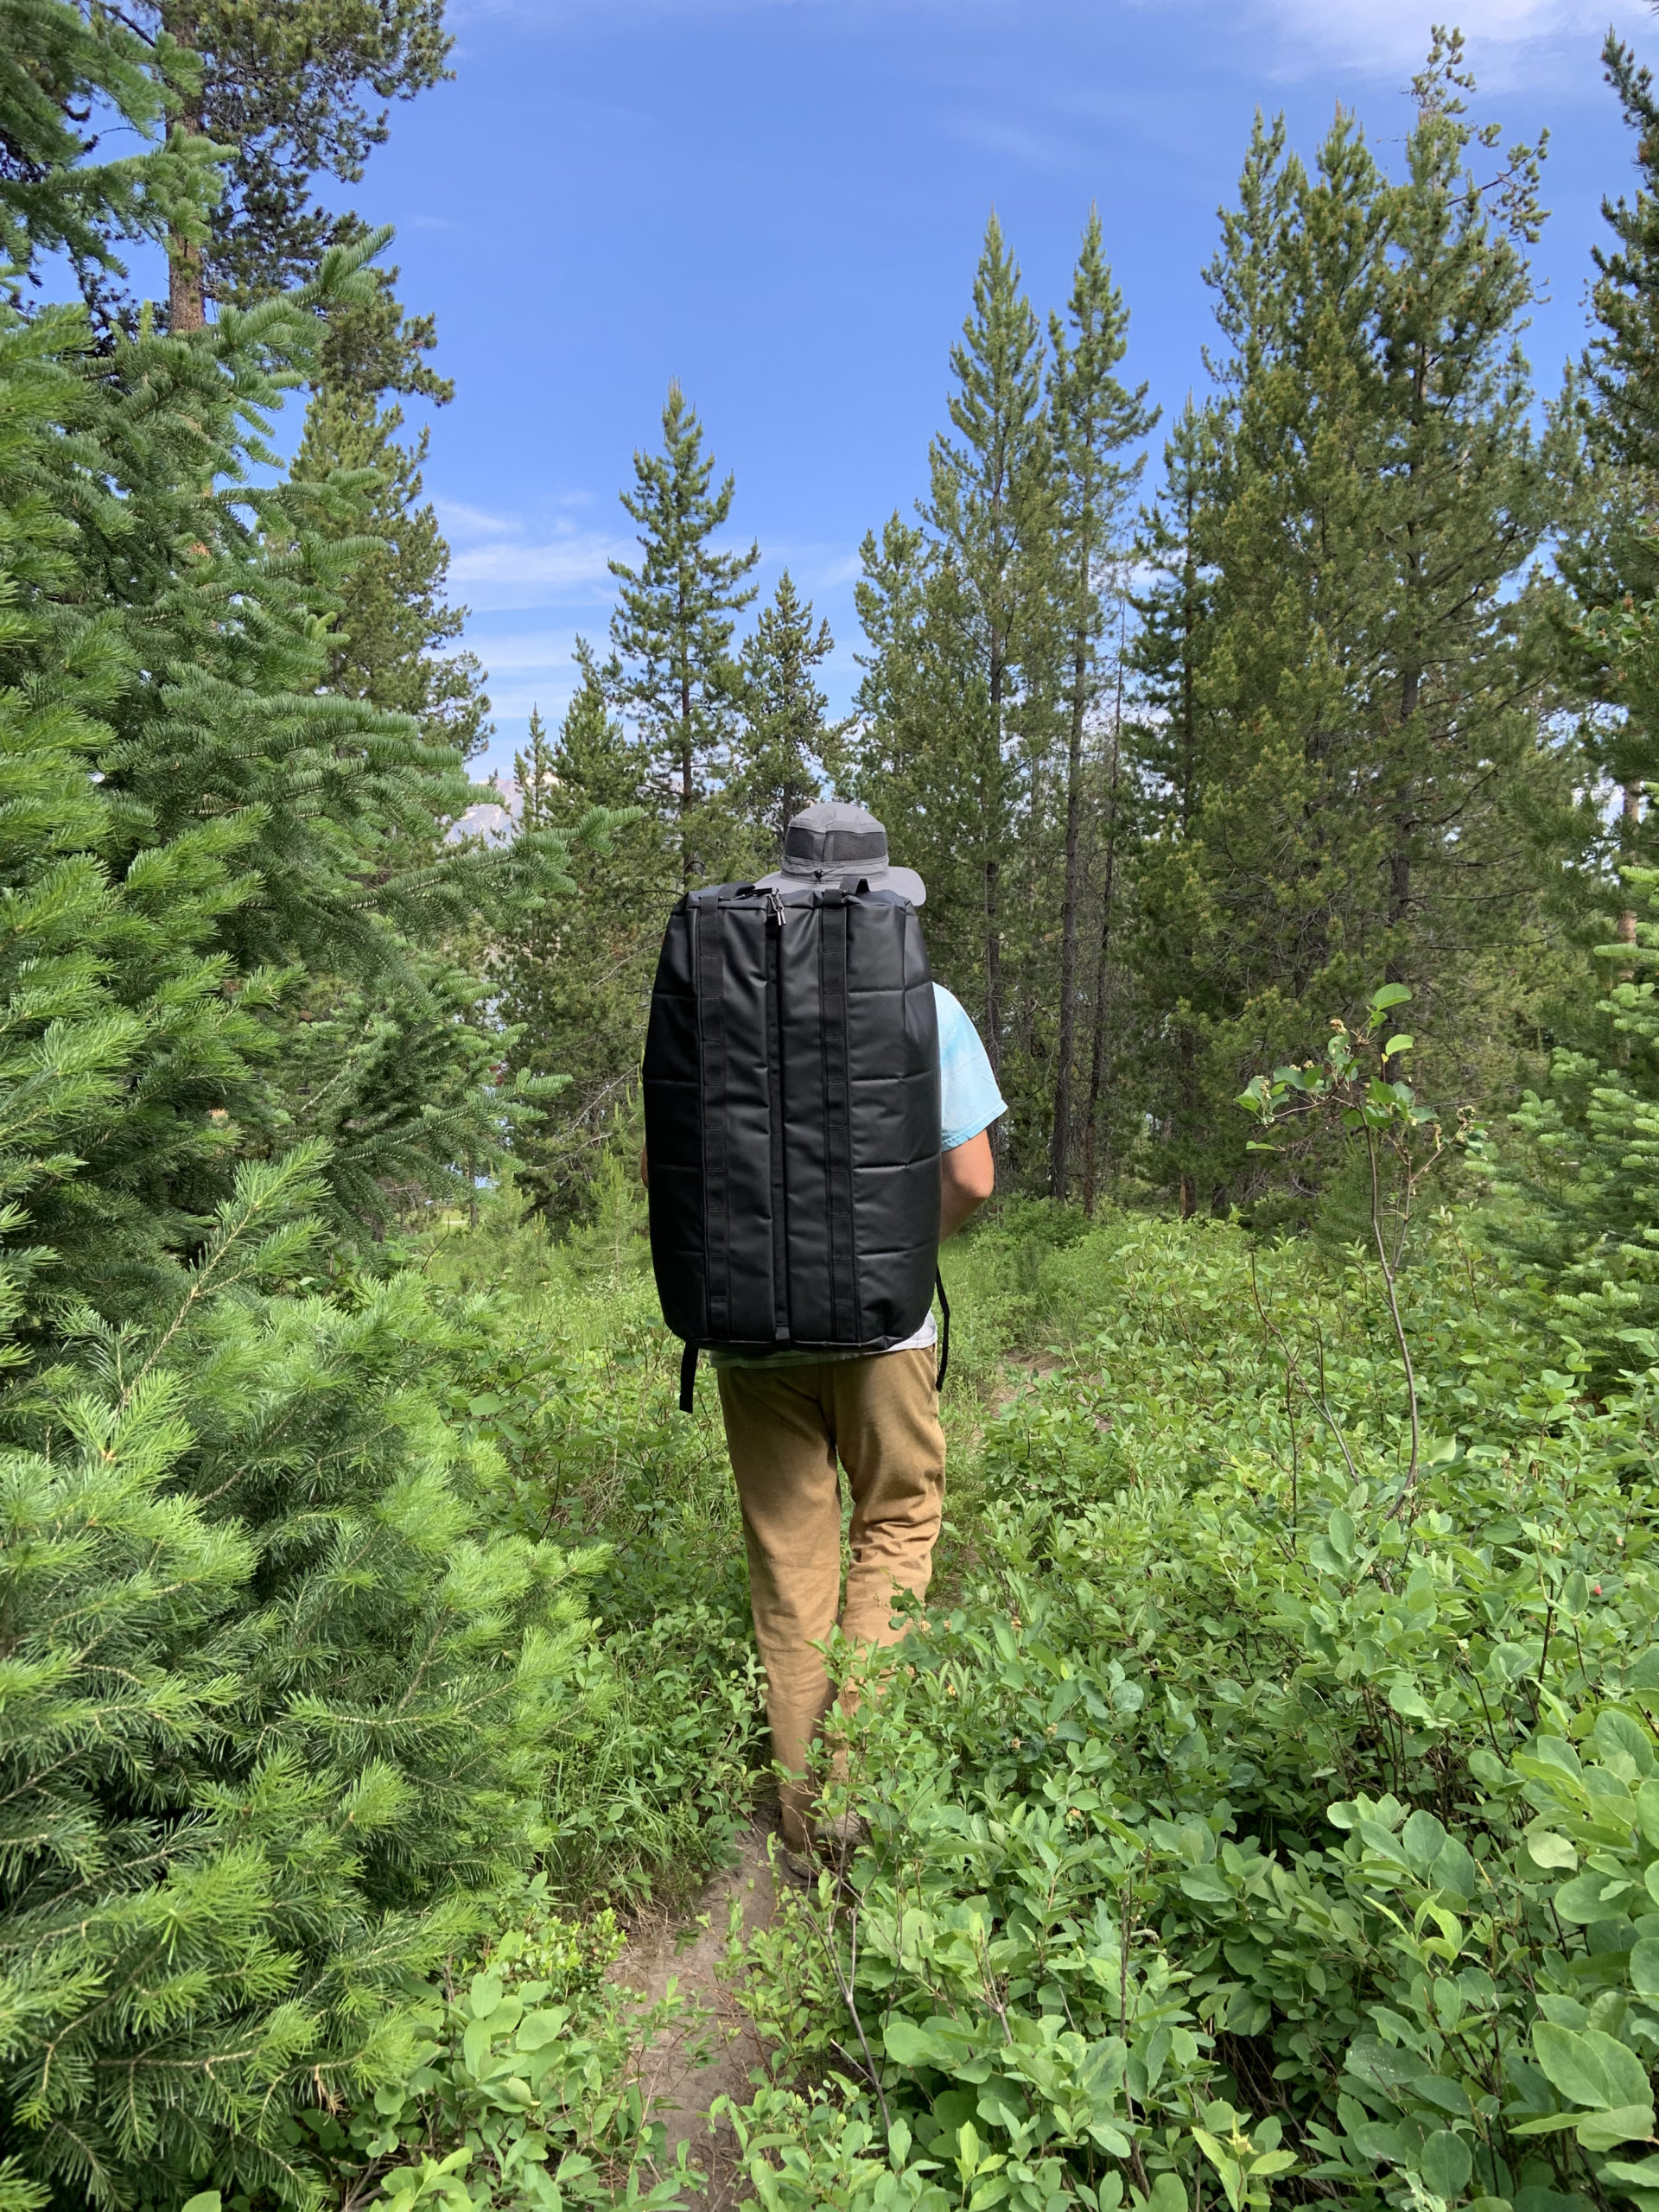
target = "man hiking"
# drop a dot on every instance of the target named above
(791, 1414)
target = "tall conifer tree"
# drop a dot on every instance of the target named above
(396, 630)
(576, 974)
(991, 510)
(671, 631)
(785, 746)
(1368, 706)
(1092, 419)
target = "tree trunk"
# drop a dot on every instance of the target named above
(187, 302)
(992, 873)
(1102, 965)
(1189, 1116)
(1189, 620)
(1628, 820)
(687, 786)
(1060, 1142)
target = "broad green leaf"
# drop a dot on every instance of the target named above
(1207, 1885)
(910, 2043)
(1446, 2163)
(1617, 1732)
(1390, 994)
(1644, 1968)
(1453, 1870)
(1634, 2173)
(1571, 2063)
(1589, 2068)
(1111, 2140)
(1374, 2140)
(1272, 2162)
(1545, 1848)
(1605, 2130)
(1401, 1043)
(1423, 1836)
(1407, 1699)
(1581, 1900)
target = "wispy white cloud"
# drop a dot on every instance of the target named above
(1039, 147)
(1516, 40)
(560, 567)
(534, 651)
(461, 520)
(1508, 41)
(504, 561)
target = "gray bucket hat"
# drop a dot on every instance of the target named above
(832, 841)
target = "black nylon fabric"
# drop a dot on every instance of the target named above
(791, 1092)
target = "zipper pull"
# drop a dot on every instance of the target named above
(775, 905)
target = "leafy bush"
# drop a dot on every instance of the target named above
(1233, 1826)
(524, 2083)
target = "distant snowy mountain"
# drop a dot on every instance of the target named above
(495, 819)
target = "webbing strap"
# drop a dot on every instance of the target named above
(837, 1117)
(944, 1334)
(687, 1377)
(717, 1190)
(780, 1321)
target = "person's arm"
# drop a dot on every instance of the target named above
(967, 1178)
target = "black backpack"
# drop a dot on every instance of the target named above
(792, 1085)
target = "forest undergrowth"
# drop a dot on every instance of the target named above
(1244, 1823)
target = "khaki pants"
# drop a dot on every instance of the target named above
(785, 1427)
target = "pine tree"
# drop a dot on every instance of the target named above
(671, 631)
(786, 749)
(1367, 701)
(63, 75)
(390, 642)
(284, 93)
(576, 977)
(1092, 418)
(991, 514)
(1581, 1184)
(1167, 741)
(280, 1703)
(1613, 557)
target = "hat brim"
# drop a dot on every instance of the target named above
(904, 880)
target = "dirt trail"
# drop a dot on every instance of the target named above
(687, 1953)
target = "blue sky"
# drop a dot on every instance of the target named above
(780, 202)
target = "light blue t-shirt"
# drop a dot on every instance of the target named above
(969, 1098)
(968, 1103)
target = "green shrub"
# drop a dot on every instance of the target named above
(1234, 1832)
(278, 1707)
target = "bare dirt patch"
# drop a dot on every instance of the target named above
(713, 2057)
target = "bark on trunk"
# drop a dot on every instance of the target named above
(687, 786)
(1630, 819)
(1060, 1142)
(186, 299)
(1098, 1055)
